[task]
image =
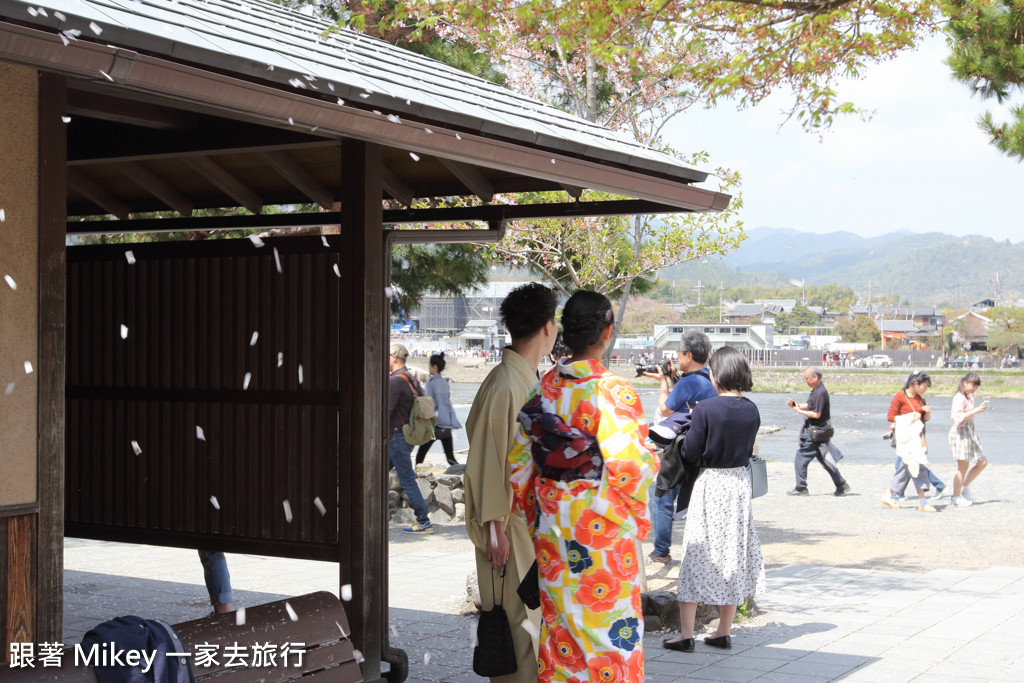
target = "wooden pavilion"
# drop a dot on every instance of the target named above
(114, 361)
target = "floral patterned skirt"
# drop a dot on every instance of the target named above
(722, 562)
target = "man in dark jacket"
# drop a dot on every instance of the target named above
(403, 387)
(816, 413)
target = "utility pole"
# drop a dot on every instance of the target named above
(721, 293)
(699, 288)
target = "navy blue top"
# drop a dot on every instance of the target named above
(818, 402)
(689, 390)
(722, 432)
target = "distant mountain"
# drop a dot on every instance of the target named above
(921, 267)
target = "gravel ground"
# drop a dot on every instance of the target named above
(853, 530)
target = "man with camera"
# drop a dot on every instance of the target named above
(693, 385)
(815, 433)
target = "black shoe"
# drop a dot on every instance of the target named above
(685, 645)
(722, 642)
(798, 492)
(843, 489)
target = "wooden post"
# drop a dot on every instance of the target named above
(362, 246)
(52, 292)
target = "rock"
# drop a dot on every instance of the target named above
(439, 517)
(663, 606)
(426, 476)
(458, 496)
(427, 490)
(404, 516)
(443, 495)
(652, 622)
(460, 513)
(473, 590)
(393, 483)
(452, 481)
(457, 468)
(394, 500)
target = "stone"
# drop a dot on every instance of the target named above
(404, 517)
(663, 606)
(443, 496)
(473, 590)
(460, 513)
(394, 500)
(457, 468)
(427, 490)
(652, 622)
(458, 496)
(452, 481)
(393, 483)
(439, 517)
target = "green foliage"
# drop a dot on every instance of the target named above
(643, 314)
(446, 269)
(800, 316)
(1006, 331)
(860, 330)
(988, 56)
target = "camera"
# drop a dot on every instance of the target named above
(666, 369)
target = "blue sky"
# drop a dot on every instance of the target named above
(919, 164)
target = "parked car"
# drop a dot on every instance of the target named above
(879, 360)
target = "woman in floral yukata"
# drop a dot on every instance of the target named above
(580, 471)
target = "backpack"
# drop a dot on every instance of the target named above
(422, 417)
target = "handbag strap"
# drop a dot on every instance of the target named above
(500, 604)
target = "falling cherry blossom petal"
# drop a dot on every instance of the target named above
(200, 434)
(337, 270)
(255, 336)
(346, 592)
(256, 241)
(10, 282)
(280, 359)
(124, 331)
(137, 448)
(213, 501)
(291, 612)
(323, 238)
(95, 28)
(28, 367)
(10, 388)
(277, 260)
(300, 373)
(66, 119)
(246, 380)
(287, 511)
(320, 506)
(240, 617)
(106, 75)
(129, 256)
(415, 157)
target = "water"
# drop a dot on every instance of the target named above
(859, 422)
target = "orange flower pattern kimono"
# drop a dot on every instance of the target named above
(585, 530)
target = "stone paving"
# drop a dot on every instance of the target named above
(818, 623)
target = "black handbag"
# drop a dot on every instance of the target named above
(529, 587)
(495, 653)
(822, 433)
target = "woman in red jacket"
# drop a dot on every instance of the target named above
(910, 401)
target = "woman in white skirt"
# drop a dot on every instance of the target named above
(722, 563)
(963, 440)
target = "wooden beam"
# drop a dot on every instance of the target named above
(157, 186)
(299, 177)
(52, 355)
(394, 186)
(97, 194)
(228, 184)
(471, 178)
(572, 190)
(120, 110)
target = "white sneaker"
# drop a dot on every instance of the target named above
(965, 493)
(960, 502)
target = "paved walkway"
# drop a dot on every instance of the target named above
(819, 623)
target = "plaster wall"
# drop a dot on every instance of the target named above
(19, 250)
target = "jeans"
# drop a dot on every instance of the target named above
(218, 580)
(663, 510)
(805, 453)
(932, 479)
(400, 455)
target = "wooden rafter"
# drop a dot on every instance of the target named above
(157, 186)
(96, 194)
(229, 184)
(299, 177)
(120, 110)
(572, 190)
(470, 177)
(398, 190)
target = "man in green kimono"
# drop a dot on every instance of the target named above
(501, 538)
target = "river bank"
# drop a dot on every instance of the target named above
(996, 383)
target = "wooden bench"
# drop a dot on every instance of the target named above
(321, 626)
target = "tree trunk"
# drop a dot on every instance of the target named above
(624, 302)
(591, 88)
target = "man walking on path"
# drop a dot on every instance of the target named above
(501, 538)
(403, 388)
(694, 385)
(816, 414)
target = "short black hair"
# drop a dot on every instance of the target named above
(697, 343)
(584, 318)
(730, 370)
(527, 308)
